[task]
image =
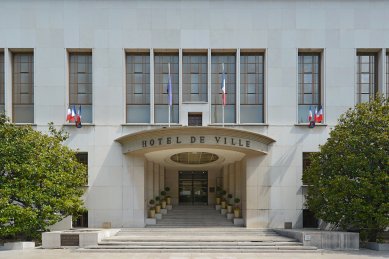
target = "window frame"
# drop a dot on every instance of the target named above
(17, 85)
(373, 80)
(259, 84)
(74, 85)
(316, 78)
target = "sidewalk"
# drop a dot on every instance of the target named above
(70, 254)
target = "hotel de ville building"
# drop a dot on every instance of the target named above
(198, 96)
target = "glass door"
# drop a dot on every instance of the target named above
(193, 187)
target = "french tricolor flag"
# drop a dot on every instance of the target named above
(310, 115)
(69, 117)
(223, 86)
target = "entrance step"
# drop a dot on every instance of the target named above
(223, 240)
(188, 216)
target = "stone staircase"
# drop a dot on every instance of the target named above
(197, 229)
(204, 240)
(193, 217)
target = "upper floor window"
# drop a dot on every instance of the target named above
(194, 78)
(251, 88)
(367, 76)
(162, 63)
(2, 86)
(226, 62)
(80, 84)
(23, 88)
(138, 88)
(309, 86)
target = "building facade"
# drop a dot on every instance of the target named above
(278, 60)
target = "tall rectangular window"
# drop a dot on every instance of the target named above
(229, 62)
(82, 157)
(367, 76)
(138, 88)
(251, 88)
(2, 85)
(387, 75)
(80, 84)
(82, 220)
(23, 88)
(309, 84)
(194, 78)
(161, 95)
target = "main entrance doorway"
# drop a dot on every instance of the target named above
(193, 187)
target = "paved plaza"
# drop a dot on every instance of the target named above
(69, 254)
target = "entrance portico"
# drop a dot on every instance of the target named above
(231, 158)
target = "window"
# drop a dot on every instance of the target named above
(194, 78)
(251, 88)
(367, 76)
(195, 119)
(82, 158)
(81, 221)
(229, 61)
(309, 219)
(2, 85)
(138, 88)
(306, 162)
(80, 84)
(23, 88)
(161, 96)
(387, 75)
(309, 85)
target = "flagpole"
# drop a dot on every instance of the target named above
(223, 115)
(223, 94)
(169, 94)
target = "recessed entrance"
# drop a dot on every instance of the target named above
(193, 187)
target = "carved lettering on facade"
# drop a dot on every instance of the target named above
(229, 141)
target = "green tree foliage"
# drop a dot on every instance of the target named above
(349, 176)
(40, 180)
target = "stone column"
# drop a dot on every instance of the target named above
(238, 180)
(161, 179)
(156, 180)
(225, 177)
(231, 179)
(257, 191)
(134, 207)
(149, 171)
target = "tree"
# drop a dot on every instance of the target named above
(349, 183)
(40, 180)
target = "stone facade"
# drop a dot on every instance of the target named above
(120, 185)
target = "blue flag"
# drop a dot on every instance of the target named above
(169, 90)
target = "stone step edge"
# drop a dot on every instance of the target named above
(221, 251)
(152, 243)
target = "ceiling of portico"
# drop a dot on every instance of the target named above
(228, 144)
(163, 157)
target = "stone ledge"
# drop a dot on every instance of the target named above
(19, 245)
(239, 222)
(378, 246)
(151, 221)
(331, 240)
(230, 215)
(87, 237)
